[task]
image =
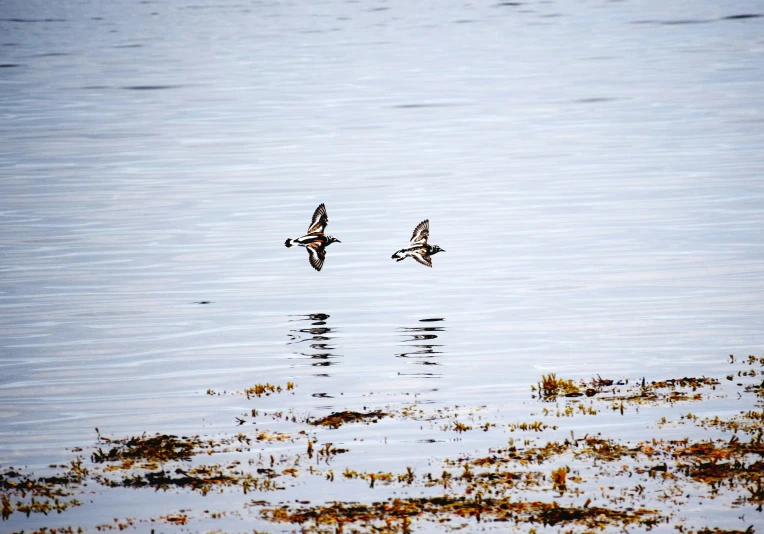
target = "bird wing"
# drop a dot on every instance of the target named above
(316, 255)
(319, 221)
(422, 257)
(421, 233)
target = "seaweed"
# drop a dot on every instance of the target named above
(337, 419)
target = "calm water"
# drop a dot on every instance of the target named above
(593, 170)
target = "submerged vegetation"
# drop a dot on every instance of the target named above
(537, 473)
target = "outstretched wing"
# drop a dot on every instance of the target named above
(421, 233)
(319, 221)
(422, 257)
(316, 255)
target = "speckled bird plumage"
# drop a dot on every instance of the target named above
(315, 240)
(418, 247)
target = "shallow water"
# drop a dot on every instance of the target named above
(593, 171)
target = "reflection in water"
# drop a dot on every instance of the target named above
(318, 338)
(420, 339)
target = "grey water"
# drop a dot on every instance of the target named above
(593, 170)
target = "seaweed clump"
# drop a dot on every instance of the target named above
(27, 495)
(337, 419)
(149, 451)
(152, 455)
(396, 515)
(552, 387)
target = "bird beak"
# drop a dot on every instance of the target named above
(338, 241)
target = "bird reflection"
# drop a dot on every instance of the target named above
(419, 343)
(317, 336)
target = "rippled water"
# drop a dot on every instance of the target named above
(593, 171)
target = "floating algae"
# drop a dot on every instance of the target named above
(578, 483)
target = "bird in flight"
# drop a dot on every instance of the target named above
(418, 247)
(315, 241)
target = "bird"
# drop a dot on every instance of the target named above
(418, 247)
(315, 240)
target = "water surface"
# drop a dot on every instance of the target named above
(593, 171)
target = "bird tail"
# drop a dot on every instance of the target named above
(288, 243)
(398, 255)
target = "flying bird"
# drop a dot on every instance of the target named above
(418, 247)
(315, 241)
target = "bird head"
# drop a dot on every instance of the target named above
(331, 239)
(436, 249)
